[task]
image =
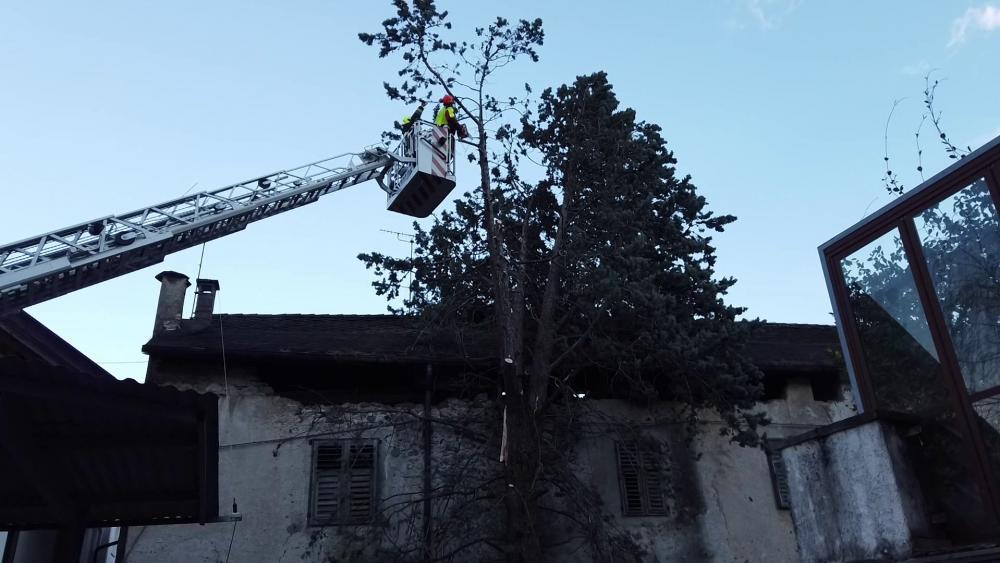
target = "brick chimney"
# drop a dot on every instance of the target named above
(170, 307)
(204, 295)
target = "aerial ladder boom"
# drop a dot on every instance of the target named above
(417, 176)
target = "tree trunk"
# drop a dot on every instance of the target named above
(523, 468)
(522, 438)
(545, 337)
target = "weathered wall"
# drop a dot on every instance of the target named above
(265, 464)
(721, 496)
(675, 537)
(742, 521)
(852, 496)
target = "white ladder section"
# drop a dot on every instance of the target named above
(56, 263)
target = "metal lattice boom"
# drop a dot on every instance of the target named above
(55, 263)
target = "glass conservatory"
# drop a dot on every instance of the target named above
(916, 291)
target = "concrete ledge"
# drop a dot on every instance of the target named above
(852, 495)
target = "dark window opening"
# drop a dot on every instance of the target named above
(775, 387)
(826, 386)
(640, 476)
(343, 482)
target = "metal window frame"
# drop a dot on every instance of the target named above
(340, 520)
(984, 163)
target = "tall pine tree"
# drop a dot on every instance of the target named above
(598, 278)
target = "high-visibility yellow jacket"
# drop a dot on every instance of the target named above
(445, 115)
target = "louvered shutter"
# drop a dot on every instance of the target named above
(779, 477)
(629, 471)
(344, 477)
(326, 481)
(641, 479)
(653, 480)
(360, 487)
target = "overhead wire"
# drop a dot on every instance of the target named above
(231, 538)
(222, 341)
(194, 302)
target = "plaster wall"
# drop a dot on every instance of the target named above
(265, 463)
(851, 497)
(722, 505)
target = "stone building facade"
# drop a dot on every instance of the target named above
(351, 438)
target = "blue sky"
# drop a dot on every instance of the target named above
(776, 108)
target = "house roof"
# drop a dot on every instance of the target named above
(396, 339)
(358, 338)
(76, 442)
(796, 347)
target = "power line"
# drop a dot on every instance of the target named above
(194, 302)
(405, 237)
(231, 538)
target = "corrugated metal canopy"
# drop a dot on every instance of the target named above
(82, 448)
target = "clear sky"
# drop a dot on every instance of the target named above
(776, 108)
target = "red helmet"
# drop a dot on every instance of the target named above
(448, 100)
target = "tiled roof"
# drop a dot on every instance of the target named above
(364, 338)
(795, 347)
(395, 339)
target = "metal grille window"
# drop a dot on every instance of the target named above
(640, 475)
(343, 482)
(779, 476)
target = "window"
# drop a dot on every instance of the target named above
(825, 386)
(774, 387)
(779, 476)
(343, 482)
(960, 236)
(640, 475)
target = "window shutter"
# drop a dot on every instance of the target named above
(329, 457)
(653, 473)
(361, 485)
(344, 478)
(629, 471)
(779, 477)
(641, 480)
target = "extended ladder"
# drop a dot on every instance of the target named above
(417, 177)
(55, 263)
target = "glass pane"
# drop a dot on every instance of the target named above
(906, 377)
(961, 241)
(896, 342)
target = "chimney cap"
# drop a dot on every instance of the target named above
(203, 284)
(170, 275)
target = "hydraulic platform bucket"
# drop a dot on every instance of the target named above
(421, 182)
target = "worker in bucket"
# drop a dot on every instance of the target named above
(407, 128)
(409, 120)
(447, 116)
